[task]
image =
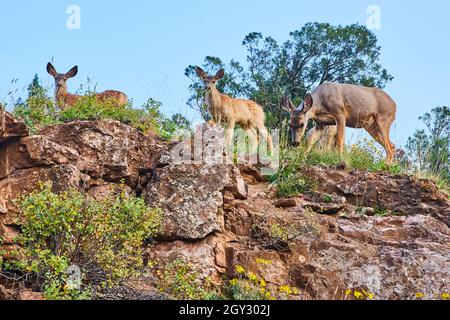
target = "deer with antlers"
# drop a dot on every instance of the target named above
(222, 108)
(65, 100)
(344, 105)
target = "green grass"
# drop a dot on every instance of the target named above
(39, 111)
(290, 180)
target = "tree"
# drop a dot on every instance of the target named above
(316, 53)
(35, 89)
(431, 150)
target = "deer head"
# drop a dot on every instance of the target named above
(208, 81)
(61, 78)
(299, 117)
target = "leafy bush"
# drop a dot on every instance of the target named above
(290, 181)
(73, 231)
(181, 282)
(39, 110)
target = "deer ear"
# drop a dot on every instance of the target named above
(309, 101)
(220, 74)
(202, 74)
(287, 105)
(51, 70)
(72, 73)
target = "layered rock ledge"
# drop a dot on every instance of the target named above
(218, 216)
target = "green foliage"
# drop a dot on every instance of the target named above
(103, 238)
(316, 53)
(430, 149)
(381, 212)
(39, 111)
(181, 282)
(291, 181)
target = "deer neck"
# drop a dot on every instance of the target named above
(61, 93)
(214, 98)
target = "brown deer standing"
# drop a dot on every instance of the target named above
(344, 106)
(65, 100)
(246, 113)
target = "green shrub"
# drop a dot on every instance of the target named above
(103, 238)
(181, 282)
(39, 111)
(290, 181)
(90, 108)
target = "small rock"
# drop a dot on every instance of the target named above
(286, 203)
(4, 293)
(237, 185)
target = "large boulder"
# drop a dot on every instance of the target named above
(189, 185)
(192, 199)
(404, 195)
(206, 256)
(392, 258)
(21, 182)
(11, 127)
(108, 149)
(33, 151)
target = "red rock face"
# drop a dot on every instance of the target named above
(11, 127)
(94, 156)
(219, 216)
(108, 150)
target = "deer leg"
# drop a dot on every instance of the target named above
(376, 132)
(331, 138)
(314, 137)
(229, 137)
(267, 137)
(253, 140)
(384, 128)
(340, 138)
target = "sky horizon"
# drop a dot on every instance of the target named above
(143, 47)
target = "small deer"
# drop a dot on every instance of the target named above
(344, 105)
(222, 108)
(65, 100)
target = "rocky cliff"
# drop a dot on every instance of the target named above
(219, 216)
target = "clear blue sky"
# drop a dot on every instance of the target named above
(142, 47)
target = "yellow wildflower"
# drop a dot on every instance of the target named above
(234, 282)
(348, 292)
(286, 289)
(263, 261)
(262, 283)
(240, 269)
(445, 296)
(269, 296)
(358, 295)
(420, 295)
(253, 277)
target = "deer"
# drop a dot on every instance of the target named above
(344, 105)
(66, 100)
(222, 108)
